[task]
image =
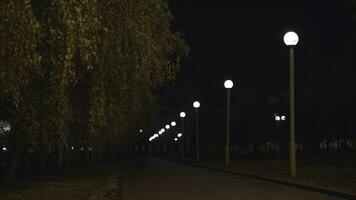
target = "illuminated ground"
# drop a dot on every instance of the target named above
(150, 178)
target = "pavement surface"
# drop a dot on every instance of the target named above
(154, 179)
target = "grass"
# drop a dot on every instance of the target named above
(90, 182)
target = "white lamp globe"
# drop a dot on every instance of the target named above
(182, 114)
(163, 130)
(277, 118)
(175, 139)
(167, 127)
(283, 118)
(156, 135)
(179, 135)
(228, 84)
(196, 104)
(160, 132)
(173, 123)
(291, 39)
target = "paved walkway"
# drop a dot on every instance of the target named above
(154, 179)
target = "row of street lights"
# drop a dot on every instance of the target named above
(290, 39)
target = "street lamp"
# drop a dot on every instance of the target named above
(228, 84)
(163, 130)
(291, 39)
(179, 135)
(176, 139)
(277, 118)
(182, 116)
(173, 123)
(167, 127)
(141, 130)
(196, 105)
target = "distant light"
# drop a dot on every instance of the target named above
(82, 149)
(160, 132)
(283, 118)
(196, 104)
(182, 114)
(156, 135)
(4, 149)
(179, 135)
(141, 131)
(90, 149)
(167, 126)
(72, 148)
(277, 118)
(163, 130)
(173, 123)
(228, 84)
(291, 39)
(175, 139)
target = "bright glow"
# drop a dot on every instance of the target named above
(72, 148)
(182, 114)
(156, 135)
(173, 123)
(179, 135)
(160, 132)
(4, 149)
(283, 118)
(228, 84)
(196, 104)
(163, 130)
(291, 39)
(277, 118)
(141, 131)
(175, 139)
(167, 127)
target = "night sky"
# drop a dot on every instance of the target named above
(244, 42)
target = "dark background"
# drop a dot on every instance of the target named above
(243, 41)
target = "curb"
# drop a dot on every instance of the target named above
(281, 182)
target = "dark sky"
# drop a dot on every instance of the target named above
(243, 41)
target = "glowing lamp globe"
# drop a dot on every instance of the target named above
(167, 127)
(182, 114)
(179, 135)
(283, 118)
(156, 135)
(277, 118)
(176, 139)
(196, 104)
(228, 84)
(291, 39)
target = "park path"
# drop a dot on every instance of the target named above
(154, 179)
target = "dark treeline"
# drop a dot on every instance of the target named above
(76, 78)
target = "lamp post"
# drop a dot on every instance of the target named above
(182, 116)
(228, 85)
(196, 105)
(291, 39)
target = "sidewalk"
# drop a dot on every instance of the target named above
(89, 182)
(333, 175)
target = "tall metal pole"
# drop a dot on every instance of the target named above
(197, 132)
(292, 153)
(183, 139)
(227, 147)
